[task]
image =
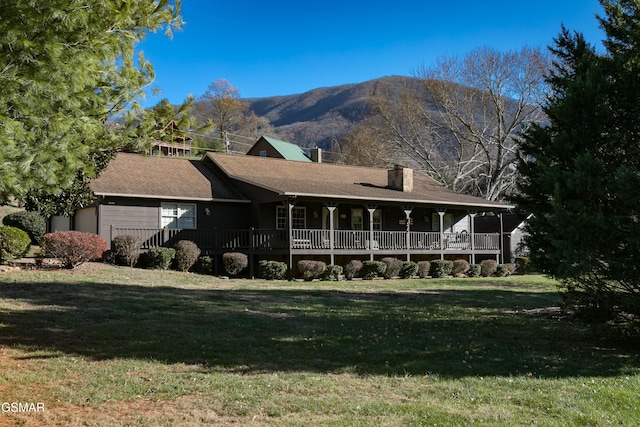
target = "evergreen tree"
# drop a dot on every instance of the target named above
(581, 171)
(66, 67)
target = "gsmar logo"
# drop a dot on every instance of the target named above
(16, 407)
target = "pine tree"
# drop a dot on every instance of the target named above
(581, 171)
(66, 67)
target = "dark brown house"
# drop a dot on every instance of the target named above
(280, 209)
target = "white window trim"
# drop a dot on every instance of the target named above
(281, 213)
(180, 207)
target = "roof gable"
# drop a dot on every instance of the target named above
(134, 175)
(287, 150)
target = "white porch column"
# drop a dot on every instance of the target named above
(407, 213)
(371, 209)
(441, 213)
(331, 208)
(291, 203)
(472, 230)
(501, 240)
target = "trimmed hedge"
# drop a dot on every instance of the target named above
(158, 258)
(474, 270)
(73, 247)
(424, 268)
(408, 270)
(333, 273)
(272, 270)
(126, 249)
(14, 243)
(460, 266)
(441, 268)
(372, 269)
(204, 265)
(311, 269)
(501, 271)
(488, 267)
(187, 254)
(32, 223)
(234, 262)
(352, 269)
(524, 265)
(394, 265)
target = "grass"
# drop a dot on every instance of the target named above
(123, 347)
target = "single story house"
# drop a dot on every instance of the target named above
(271, 208)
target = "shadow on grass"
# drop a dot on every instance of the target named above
(450, 333)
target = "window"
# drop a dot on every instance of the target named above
(178, 215)
(299, 216)
(447, 221)
(263, 153)
(377, 220)
(357, 219)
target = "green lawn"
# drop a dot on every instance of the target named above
(126, 347)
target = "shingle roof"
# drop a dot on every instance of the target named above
(330, 181)
(287, 150)
(134, 175)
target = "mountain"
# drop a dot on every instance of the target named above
(320, 115)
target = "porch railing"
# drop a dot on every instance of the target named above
(312, 239)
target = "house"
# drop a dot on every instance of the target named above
(512, 228)
(286, 210)
(267, 146)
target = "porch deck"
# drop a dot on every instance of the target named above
(319, 242)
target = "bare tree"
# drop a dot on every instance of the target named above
(462, 126)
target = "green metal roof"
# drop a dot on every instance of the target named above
(287, 150)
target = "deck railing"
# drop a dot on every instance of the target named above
(313, 239)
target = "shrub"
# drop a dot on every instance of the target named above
(393, 267)
(272, 270)
(441, 268)
(14, 243)
(424, 268)
(73, 247)
(311, 269)
(352, 269)
(523, 265)
(488, 267)
(511, 267)
(32, 223)
(408, 270)
(460, 266)
(158, 258)
(234, 262)
(501, 270)
(126, 249)
(333, 273)
(204, 265)
(187, 254)
(474, 270)
(372, 269)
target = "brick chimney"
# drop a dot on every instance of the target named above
(401, 179)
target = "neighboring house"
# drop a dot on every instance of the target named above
(287, 210)
(271, 147)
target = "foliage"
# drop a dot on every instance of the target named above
(352, 269)
(73, 247)
(524, 265)
(474, 270)
(393, 267)
(126, 249)
(372, 269)
(462, 125)
(424, 268)
(440, 268)
(66, 68)
(408, 270)
(187, 253)
(204, 265)
(333, 273)
(158, 258)
(580, 170)
(31, 222)
(311, 269)
(234, 262)
(488, 267)
(272, 270)
(460, 266)
(501, 270)
(14, 243)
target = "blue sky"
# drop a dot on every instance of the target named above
(269, 48)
